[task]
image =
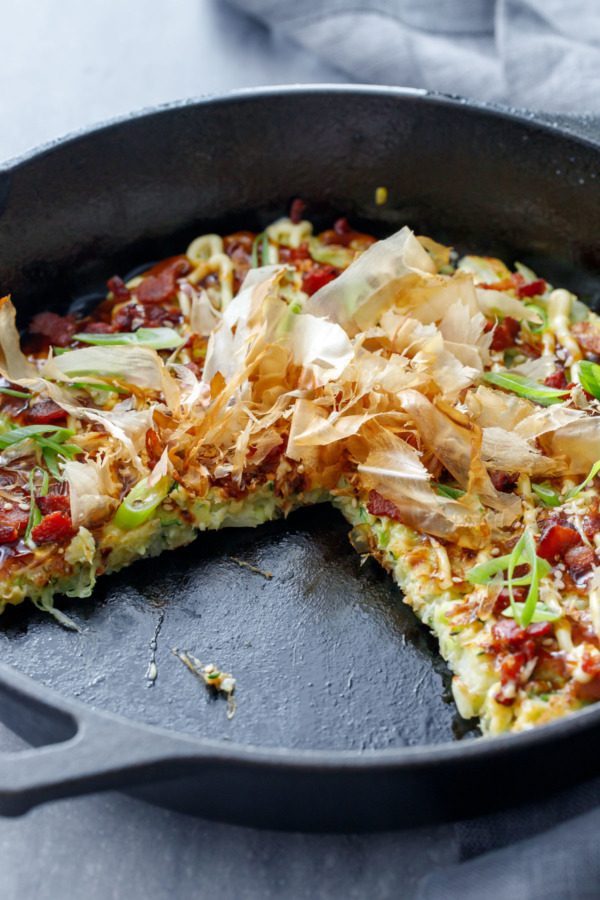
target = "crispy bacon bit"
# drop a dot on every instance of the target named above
(342, 234)
(517, 283)
(181, 261)
(591, 522)
(587, 336)
(297, 208)
(99, 328)
(120, 292)
(582, 628)
(197, 367)
(520, 647)
(294, 255)
(531, 289)
(539, 629)
(160, 287)
(557, 379)
(509, 635)
(134, 316)
(16, 519)
(579, 561)
(557, 539)
(551, 668)
(502, 481)
(53, 528)
(510, 283)
(503, 599)
(15, 516)
(53, 503)
(379, 506)
(158, 315)
(341, 226)
(511, 678)
(511, 666)
(238, 246)
(8, 533)
(58, 329)
(45, 411)
(590, 690)
(590, 664)
(505, 333)
(125, 316)
(317, 277)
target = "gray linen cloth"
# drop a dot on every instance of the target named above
(536, 54)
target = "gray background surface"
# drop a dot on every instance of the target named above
(63, 67)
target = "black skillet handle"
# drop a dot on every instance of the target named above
(77, 750)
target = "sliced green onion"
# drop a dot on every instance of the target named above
(66, 450)
(35, 516)
(155, 338)
(213, 675)
(525, 547)
(537, 328)
(49, 457)
(12, 393)
(541, 613)
(265, 256)
(254, 254)
(526, 387)
(332, 255)
(52, 451)
(51, 440)
(140, 503)
(547, 494)
(45, 604)
(263, 240)
(58, 351)
(527, 273)
(486, 572)
(593, 472)
(589, 376)
(445, 491)
(33, 431)
(85, 385)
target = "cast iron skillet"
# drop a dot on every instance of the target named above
(344, 720)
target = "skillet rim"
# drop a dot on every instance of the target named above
(561, 125)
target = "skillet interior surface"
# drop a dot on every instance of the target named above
(325, 654)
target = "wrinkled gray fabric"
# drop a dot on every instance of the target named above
(560, 864)
(538, 54)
